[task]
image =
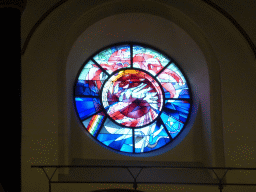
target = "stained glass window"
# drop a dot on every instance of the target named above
(132, 98)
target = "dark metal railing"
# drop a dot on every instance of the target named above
(220, 183)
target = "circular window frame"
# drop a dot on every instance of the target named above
(137, 127)
(131, 43)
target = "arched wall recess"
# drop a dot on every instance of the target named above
(186, 59)
(212, 4)
(64, 41)
(120, 20)
(45, 80)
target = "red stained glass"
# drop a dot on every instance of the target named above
(132, 98)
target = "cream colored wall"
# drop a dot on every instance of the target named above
(47, 85)
(169, 37)
(141, 29)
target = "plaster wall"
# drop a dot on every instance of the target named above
(216, 59)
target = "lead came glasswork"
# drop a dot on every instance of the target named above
(173, 82)
(114, 58)
(93, 124)
(148, 59)
(132, 98)
(150, 138)
(90, 80)
(87, 106)
(174, 115)
(116, 137)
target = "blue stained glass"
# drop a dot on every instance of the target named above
(87, 106)
(184, 94)
(176, 115)
(178, 109)
(114, 140)
(116, 137)
(86, 88)
(119, 144)
(118, 48)
(90, 80)
(119, 103)
(150, 138)
(173, 82)
(162, 142)
(179, 105)
(172, 123)
(127, 148)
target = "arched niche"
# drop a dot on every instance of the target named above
(160, 31)
(196, 58)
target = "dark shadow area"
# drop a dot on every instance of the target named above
(1, 188)
(116, 190)
(18, 4)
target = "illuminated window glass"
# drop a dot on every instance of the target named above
(132, 98)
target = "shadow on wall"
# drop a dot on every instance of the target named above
(17, 4)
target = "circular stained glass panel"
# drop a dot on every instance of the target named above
(132, 98)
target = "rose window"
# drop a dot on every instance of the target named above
(132, 98)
